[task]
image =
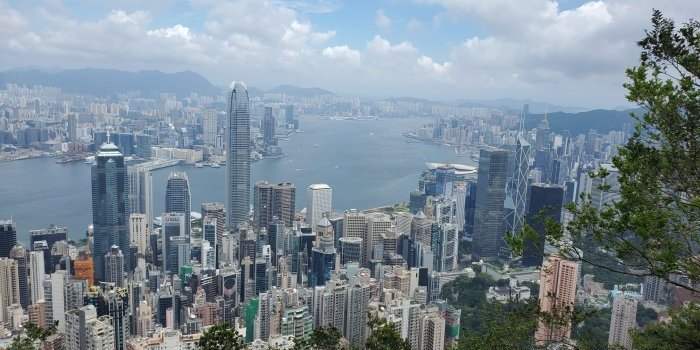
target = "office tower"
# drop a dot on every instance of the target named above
(289, 114)
(218, 211)
(50, 235)
(377, 225)
(542, 136)
(178, 253)
(209, 127)
(43, 248)
(269, 125)
(273, 200)
(322, 255)
(490, 195)
(36, 273)
(247, 279)
(115, 304)
(21, 256)
(138, 232)
(350, 249)
(356, 319)
(544, 203)
(209, 232)
(558, 280)
(602, 197)
(177, 197)
(319, 199)
(622, 321)
(141, 192)
(355, 225)
(432, 332)
(8, 237)
(262, 275)
(72, 129)
(114, 266)
(84, 269)
(110, 205)
(521, 173)
(173, 226)
(86, 331)
(9, 287)
(297, 321)
(238, 156)
(445, 247)
(143, 146)
(421, 229)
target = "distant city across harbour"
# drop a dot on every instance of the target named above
(368, 162)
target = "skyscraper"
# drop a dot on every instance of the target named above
(36, 272)
(558, 279)
(114, 266)
(177, 197)
(319, 198)
(138, 232)
(238, 156)
(8, 237)
(209, 127)
(9, 287)
(173, 226)
(19, 254)
(85, 331)
(141, 191)
(622, 321)
(110, 205)
(269, 125)
(544, 203)
(273, 200)
(216, 210)
(72, 127)
(490, 196)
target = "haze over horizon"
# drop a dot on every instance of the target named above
(567, 52)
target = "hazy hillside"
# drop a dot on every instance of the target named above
(601, 120)
(109, 82)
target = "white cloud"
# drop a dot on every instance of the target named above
(381, 20)
(342, 53)
(526, 49)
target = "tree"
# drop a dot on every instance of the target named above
(33, 335)
(383, 336)
(323, 338)
(221, 337)
(681, 333)
(653, 229)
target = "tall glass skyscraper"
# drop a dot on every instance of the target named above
(238, 156)
(110, 206)
(490, 195)
(177, 197)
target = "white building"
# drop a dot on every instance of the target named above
(320, 201)
(622, 321)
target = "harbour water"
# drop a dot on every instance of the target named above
(367, 162)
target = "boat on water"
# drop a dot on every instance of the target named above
(215, 165)
(199, 165)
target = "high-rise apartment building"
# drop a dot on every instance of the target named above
(9, 287)
(319, 198)
(558, 280)
(85, 331)
(177, 197)
(238, 156)
(622, 321)
(21, 256)
(490, 195)
(110, 206)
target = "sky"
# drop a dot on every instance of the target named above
(567, 52)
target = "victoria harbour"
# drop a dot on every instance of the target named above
(367, 162)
